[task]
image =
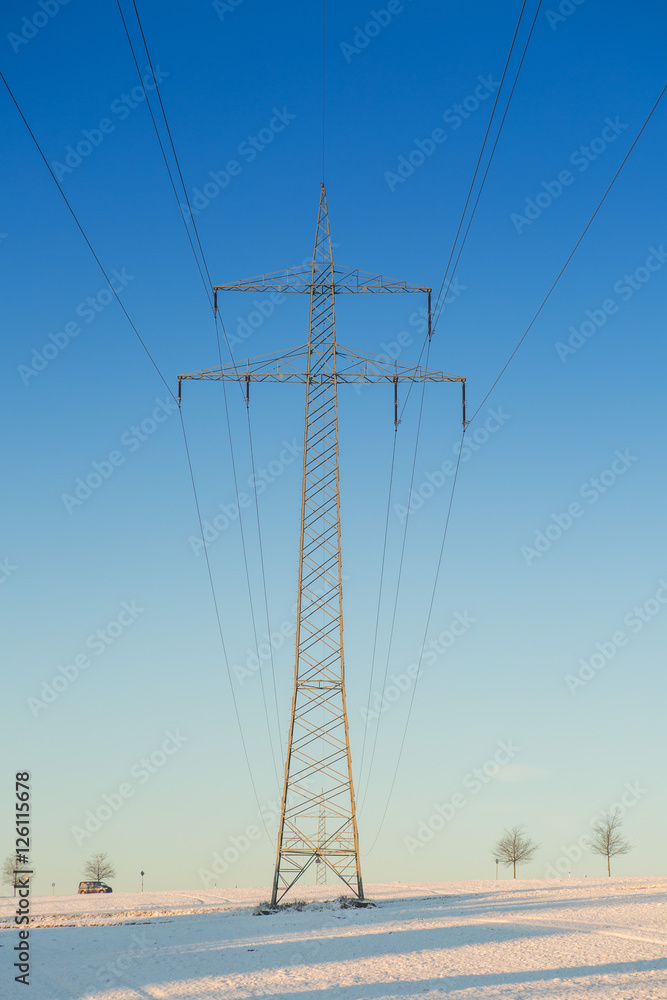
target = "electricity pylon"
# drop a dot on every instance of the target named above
(318, 751)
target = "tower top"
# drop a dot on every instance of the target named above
(322, 252)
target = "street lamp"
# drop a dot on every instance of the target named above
(53, 888)
(142, 881)
(497, 863)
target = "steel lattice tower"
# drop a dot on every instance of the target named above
(318, 753)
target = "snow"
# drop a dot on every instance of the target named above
(478, 940)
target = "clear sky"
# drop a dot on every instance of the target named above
(555, 564)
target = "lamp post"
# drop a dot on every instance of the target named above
(142, 881)
(53, 888)
(497, 863)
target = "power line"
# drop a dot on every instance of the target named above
(201, 254)
(427, 340)
(261, 556)
(484, 141)
(245, 554)
(220, 631)
(207, 287)
(219, 348)
(379, 603)
(437, 311)
(185, 440)
(171, 141)
(524, 335)
(324, 25)
(400, 572)
(247, 574)
(439, 306)
(570, 255)
(421, 651)
(87, 241)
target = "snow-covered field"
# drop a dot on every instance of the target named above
(602, 939)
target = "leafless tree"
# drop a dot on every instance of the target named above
(607, 839)
(98, 867)
(514, 848)
(10, 871)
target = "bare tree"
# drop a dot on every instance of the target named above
(607, 839)
(10, 871)
(98, 867)
(514, 848)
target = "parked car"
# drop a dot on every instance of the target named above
(94, 887)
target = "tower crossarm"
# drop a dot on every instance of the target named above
(351, 366)
(303, 278)
(347, 367)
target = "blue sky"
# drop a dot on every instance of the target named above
(556, 534)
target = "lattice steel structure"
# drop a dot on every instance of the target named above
(320, 826)
(320, 865)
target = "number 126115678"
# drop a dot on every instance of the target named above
(22, 815)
